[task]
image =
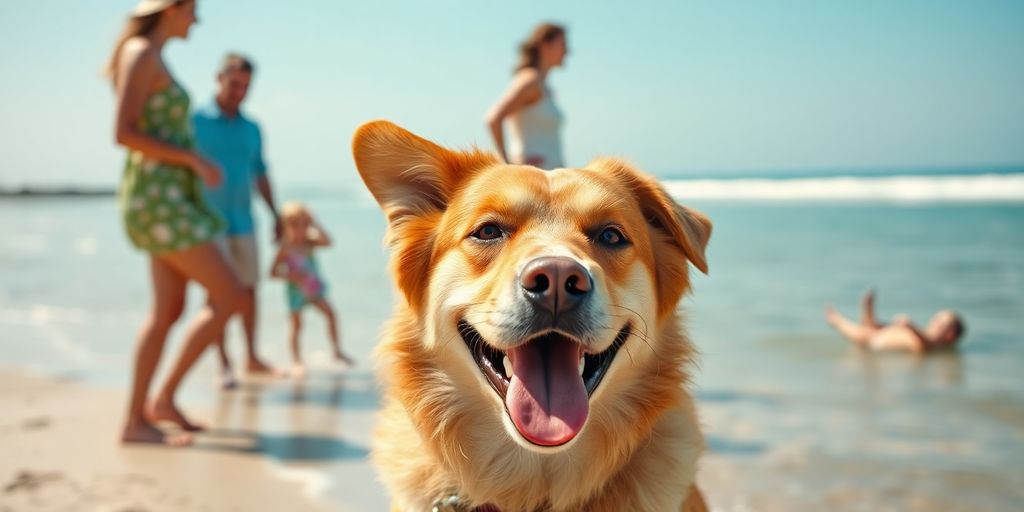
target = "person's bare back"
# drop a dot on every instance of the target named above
(943, 330)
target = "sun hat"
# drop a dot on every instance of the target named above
(147, 7)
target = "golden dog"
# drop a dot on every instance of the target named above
(535, 361)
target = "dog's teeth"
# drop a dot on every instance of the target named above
(508, 366)
(583, 364)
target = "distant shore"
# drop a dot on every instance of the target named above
(67, 191)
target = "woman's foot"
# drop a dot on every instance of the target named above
(298, 371)
(143, 432)
(164, 410)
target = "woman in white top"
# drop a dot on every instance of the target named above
(533, 118)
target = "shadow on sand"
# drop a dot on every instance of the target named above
(294, 421)
(300, 447)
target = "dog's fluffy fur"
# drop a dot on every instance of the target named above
(443, 430)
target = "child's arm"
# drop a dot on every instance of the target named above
(318, 236)
(279, 269)
(282, 270)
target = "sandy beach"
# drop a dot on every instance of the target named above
(60, 452)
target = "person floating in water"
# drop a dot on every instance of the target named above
(942, 332)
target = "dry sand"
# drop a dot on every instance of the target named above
(58, 441)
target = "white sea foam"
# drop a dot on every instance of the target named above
(951, 188)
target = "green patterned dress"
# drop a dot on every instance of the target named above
(162, 204)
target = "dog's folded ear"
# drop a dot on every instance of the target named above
(678, 230)
(407, 174)
(690, 230)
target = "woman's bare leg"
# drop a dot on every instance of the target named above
(206, 265)
(168, 304)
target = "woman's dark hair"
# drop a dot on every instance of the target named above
(237, 62)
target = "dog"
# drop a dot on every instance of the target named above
(535, 360)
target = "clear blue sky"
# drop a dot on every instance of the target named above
(675, 86)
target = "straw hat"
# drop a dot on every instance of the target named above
(147, 7)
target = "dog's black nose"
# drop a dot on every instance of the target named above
(555, 283)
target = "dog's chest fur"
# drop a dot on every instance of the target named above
(436, 440)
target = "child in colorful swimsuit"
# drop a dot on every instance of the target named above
(295, 263)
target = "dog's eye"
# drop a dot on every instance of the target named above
(611, 236)
(489, 231)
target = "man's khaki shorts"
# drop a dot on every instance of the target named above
(242, 255)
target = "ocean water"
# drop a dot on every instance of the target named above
(795, 418)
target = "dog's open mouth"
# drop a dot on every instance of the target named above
(545, 383)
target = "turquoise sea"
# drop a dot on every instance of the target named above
(795, 418)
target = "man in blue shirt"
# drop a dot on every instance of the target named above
(225, 135)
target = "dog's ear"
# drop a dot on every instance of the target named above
(681, 233)
(412, 179)
(407, 174)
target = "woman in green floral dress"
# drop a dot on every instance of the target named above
(164, 213)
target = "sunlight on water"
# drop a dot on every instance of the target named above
(984, 188)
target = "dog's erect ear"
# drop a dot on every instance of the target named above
(407, 174)
(679, 229)
(413, 179)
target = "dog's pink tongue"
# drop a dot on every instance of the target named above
(546, 398)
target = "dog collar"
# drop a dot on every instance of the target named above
(453, 503)
(450, 503)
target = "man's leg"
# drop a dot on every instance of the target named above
(247, 258)
(227, 374)
(253, 364)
